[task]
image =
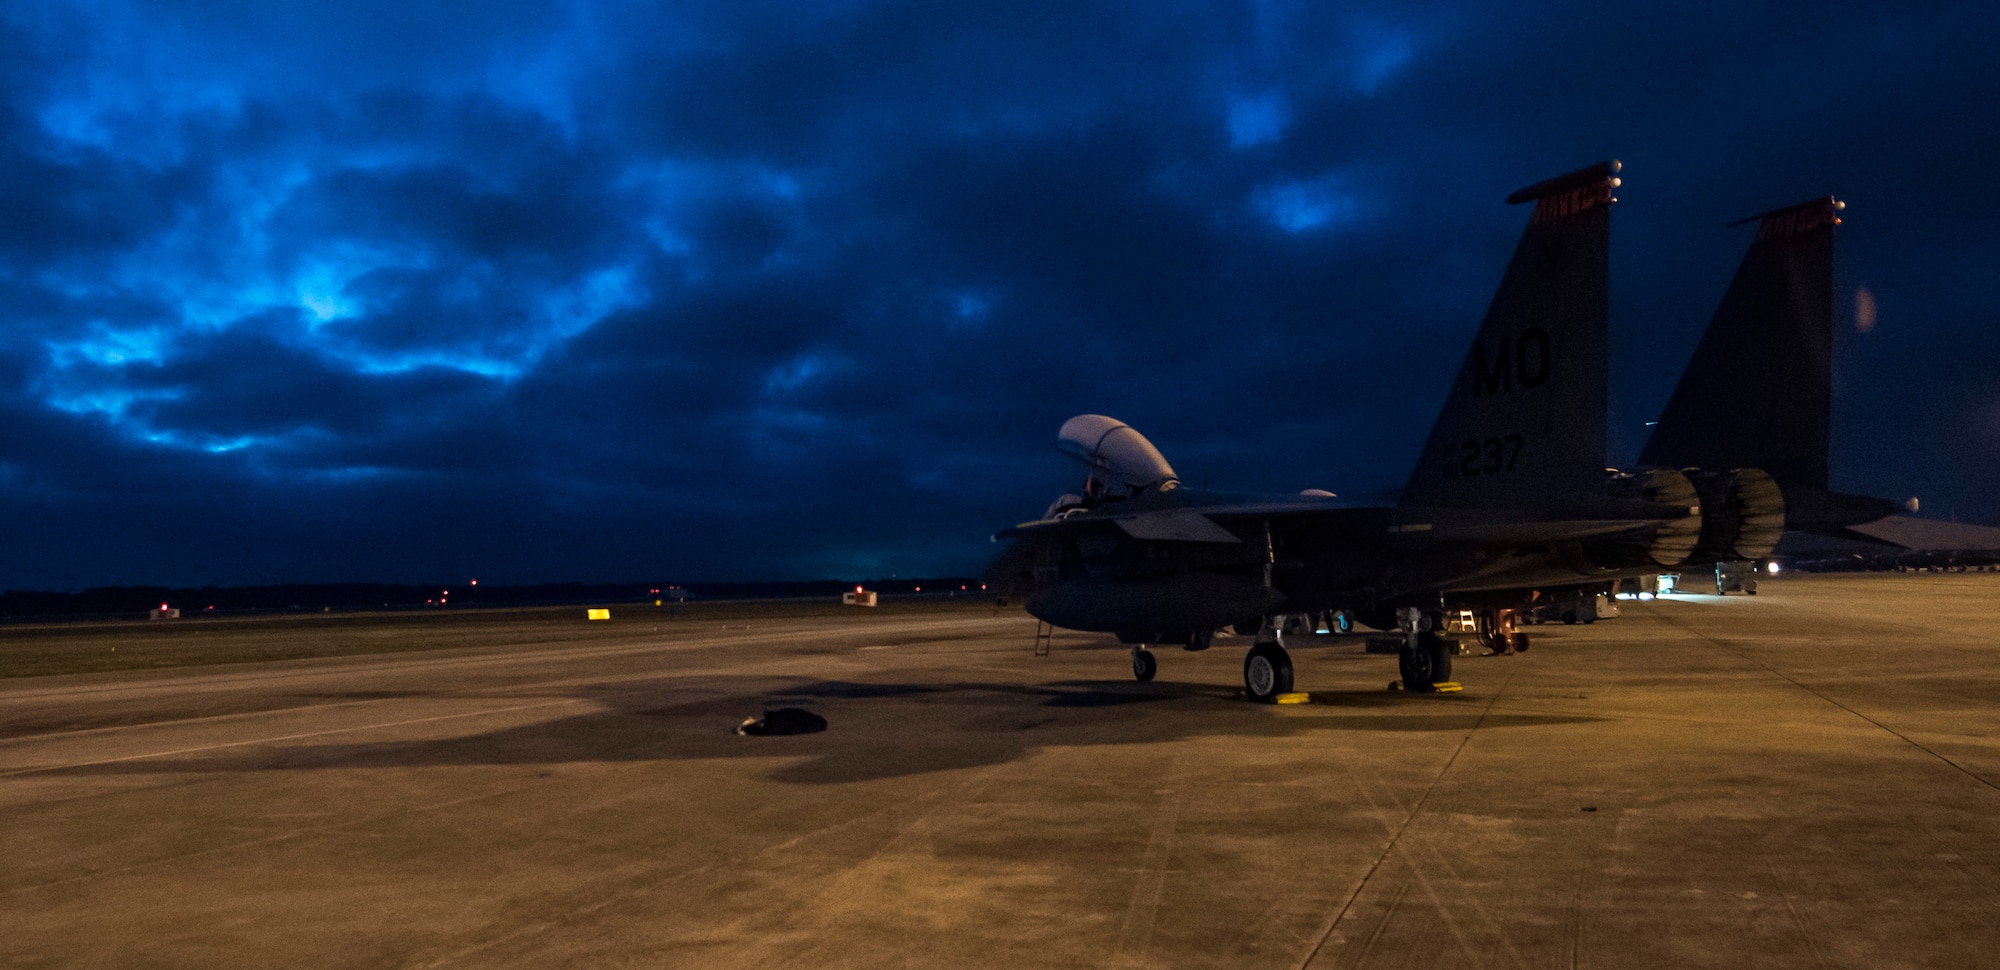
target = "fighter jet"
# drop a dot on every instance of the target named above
(1510, 494)
(1748, 421)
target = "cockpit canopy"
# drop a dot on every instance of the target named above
(1121, 460)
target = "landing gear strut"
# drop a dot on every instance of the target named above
(1144, 666)
(1267, 672)
(1498, 632)
(1425, 659)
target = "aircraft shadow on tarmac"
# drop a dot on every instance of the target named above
(877, 730)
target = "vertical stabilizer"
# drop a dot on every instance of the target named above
(1759, 389)
(1525, 418)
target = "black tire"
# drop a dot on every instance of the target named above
(1520, 643)
(1415, 666)
(1267, 672)
(1144, 665)
(1440, 650)
(1429, 663)
(1569, 616)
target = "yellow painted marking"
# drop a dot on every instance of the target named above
(599, 614)
(1295, 698)
(1447, 687)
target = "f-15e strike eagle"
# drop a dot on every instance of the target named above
(1511, 497)
(1510, 494)
(1758, 395)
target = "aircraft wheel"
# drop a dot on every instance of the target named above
(1267, 672)
(1144, 664)
(1520, 643)
(1428, 663)
(1440, 650)
(1415, 666)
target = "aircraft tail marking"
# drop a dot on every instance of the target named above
(1525, 416)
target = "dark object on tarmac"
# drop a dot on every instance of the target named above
(784, 720)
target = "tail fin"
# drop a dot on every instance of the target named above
(1525, 418)
(1759, 389)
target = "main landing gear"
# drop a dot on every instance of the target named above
(1425, 659)
(1267, 672)
(1497, 632)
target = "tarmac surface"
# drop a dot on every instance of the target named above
(1806, 778)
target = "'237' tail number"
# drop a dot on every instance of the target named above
(1489, 456)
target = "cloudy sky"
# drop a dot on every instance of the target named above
(538, 290)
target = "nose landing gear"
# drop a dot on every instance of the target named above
(1144, 665)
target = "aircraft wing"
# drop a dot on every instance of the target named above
(1212, 523)
(1198, 523)
(1930, 535)
(1524, 533)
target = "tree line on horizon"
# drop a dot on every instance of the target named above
(315, 597)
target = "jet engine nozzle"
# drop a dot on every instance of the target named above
(1673, 540)
(1742, 514)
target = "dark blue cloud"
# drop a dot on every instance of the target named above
(542, 291)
